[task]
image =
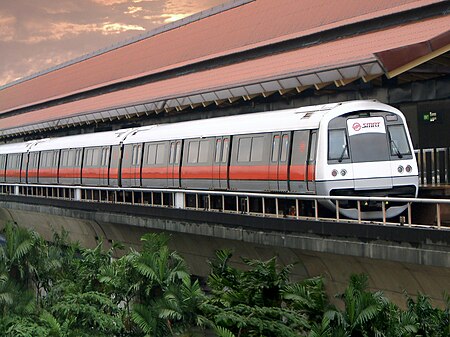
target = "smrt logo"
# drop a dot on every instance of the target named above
(356, 126)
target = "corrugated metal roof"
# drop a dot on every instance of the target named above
(256, 23)
(339, 60)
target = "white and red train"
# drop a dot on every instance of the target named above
(357, 148)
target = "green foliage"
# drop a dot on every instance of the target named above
(63, 290)
(255, 302)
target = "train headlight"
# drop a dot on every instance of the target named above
(334, 173)
(409, 168)
(343, 172)
(400, 169)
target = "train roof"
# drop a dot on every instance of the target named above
(17, 147)
(92, 139)
(270, 121)
(304, 118)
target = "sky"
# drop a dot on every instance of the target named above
(38, 34)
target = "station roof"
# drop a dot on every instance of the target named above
(240, 25)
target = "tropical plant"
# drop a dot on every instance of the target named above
(254, 302)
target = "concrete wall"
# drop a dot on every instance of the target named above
(335, 259)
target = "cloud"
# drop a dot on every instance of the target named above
(32, 64)
(174, 17)
(109, 2)
(7, 30)
(133, 10)
(61, 30)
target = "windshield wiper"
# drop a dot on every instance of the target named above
(343, 153)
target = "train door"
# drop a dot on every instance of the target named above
(220, 164)
(131, 165)
(311, 163)
(32, 166)
(114, 165)
(302, 165)
(104, 166)
(278, 165)
(173, 168)
(2, 167)
(136, 162)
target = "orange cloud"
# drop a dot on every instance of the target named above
(60, 30)
(132, 10)
(7, 30)
(109, 2)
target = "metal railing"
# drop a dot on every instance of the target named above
(434, 166)
(294, 206)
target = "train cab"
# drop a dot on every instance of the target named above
(366, 150)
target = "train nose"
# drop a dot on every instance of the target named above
(378, 170)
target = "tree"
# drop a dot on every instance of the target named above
(252, 302)
(167, 299)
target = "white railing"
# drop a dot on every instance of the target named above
(296, 206)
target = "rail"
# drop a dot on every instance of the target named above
(294, 206)
(434, 166)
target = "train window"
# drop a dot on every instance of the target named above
(105, 156)
(55, 159)
(33, 160)
(89, 157)
(63, 158)
(257, 149)
(337, 145)
(71, 158)
(172, 153)
(178, 152)
(226, 147)
(43, 159)
(160, 154)
(312, 148)
(284, 148)
(47, 160)
(399, 142)
(244, 148)
(193, 151)
(133, 155)
(136, 155)
(275, 148)
(77, 155)
(203, 152)
(218, 150)
(151, 154)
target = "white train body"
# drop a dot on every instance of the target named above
(357, 148)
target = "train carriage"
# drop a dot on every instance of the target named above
(91, 159)
(358, 148)
(13, 162)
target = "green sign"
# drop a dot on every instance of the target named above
(430, 117)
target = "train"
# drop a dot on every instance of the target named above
(354, 148)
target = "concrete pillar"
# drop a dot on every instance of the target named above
(179, 200)
(78, 194)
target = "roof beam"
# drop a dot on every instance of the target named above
(368, 78)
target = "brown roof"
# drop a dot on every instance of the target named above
(256, 23)
(310, 65)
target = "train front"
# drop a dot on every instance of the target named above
(366, 150)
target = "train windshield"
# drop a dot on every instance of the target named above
(398, 141)
(337, 145)
(367, 139)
